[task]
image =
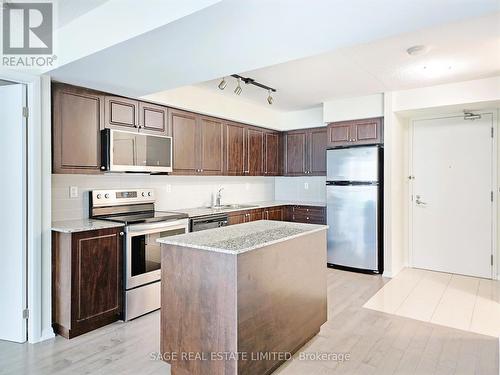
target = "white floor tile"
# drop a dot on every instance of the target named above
(424, 299)
(457, 301)
(394, 293)
(457, 304)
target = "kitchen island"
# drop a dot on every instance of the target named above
(241, 299)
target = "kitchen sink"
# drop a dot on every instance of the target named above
(234, 206)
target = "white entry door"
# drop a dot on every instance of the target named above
(13, 216)
(452, 207)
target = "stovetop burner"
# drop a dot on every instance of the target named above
(145, 217)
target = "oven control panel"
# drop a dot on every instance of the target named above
(122, 196)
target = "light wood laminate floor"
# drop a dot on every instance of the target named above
(378, 343)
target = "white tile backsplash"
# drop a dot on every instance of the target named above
(175, 192)
(295, 188)
(172, 192)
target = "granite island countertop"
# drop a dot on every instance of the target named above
(203, 211)
(240, 238)
(82, 225)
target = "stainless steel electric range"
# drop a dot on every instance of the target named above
(142, 257)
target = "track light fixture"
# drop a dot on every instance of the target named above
(238, 88)
(248, 81)
(269, 97)
(223, 84)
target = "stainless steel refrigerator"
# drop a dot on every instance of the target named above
(354, 208)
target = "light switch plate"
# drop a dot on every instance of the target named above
(306, 185)
(168, 188)
(73, 191)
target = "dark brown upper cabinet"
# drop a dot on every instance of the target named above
(254, 164)
(121, 113)
(355, 132)
(153, 119)
(235, 154)
(317, 143)
(198, 144)
(305, 152)
(295, 153)
(185, 136)
(211, 146)
(77, 119)
(272, 152)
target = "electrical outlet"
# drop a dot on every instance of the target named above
(247, 186)
(73, 191)
(306, 185)
(169, 188)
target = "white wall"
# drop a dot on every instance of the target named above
(353, 108)
(212, 103)
(400, 108)
(185, 191)
(481, 93)
(306, 189)
(307, 118)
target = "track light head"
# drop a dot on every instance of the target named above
(238, 88)
(223, 84)
(270, 98)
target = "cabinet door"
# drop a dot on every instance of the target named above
(255, 152)
(185, 142)
(77, 119)
(272, 152)
(153, 119)
(96, 277)
(367, 132)
(339, 134)
(256, 215)
(295, 146)
(212, 146)
(121, 113)
(237, 218)
(235, 149)
(273, 213)
(317, 152)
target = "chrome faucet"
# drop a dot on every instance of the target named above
(218, 198)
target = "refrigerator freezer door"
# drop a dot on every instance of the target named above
(352, 219)
(353, 164)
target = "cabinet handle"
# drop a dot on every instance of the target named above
(121, 234)
(201, 170)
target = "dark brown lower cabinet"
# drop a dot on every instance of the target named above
(273, 213)
(295, 213)
(306, 214)
(86, 280)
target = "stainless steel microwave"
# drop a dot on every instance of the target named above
(124, 151)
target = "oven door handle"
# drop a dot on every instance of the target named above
(157, 227)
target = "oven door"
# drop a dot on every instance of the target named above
(142, 252)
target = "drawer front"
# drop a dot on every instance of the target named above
(309, 214)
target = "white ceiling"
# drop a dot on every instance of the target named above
(68, 10)
(244, 35)
(456, 52)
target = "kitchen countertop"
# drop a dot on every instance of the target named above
(240, 238)
(82, 225)
(202, 211)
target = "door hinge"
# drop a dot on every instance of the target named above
(26, 314)
(492, 259)
(491, 196)
(492, 131)
(26, 112)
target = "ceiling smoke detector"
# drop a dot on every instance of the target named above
(416, 50)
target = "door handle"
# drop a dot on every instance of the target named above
(419, 202)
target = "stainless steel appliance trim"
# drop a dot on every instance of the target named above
(142, 300)
(139, 230)
(99, 198)
(135, 168)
